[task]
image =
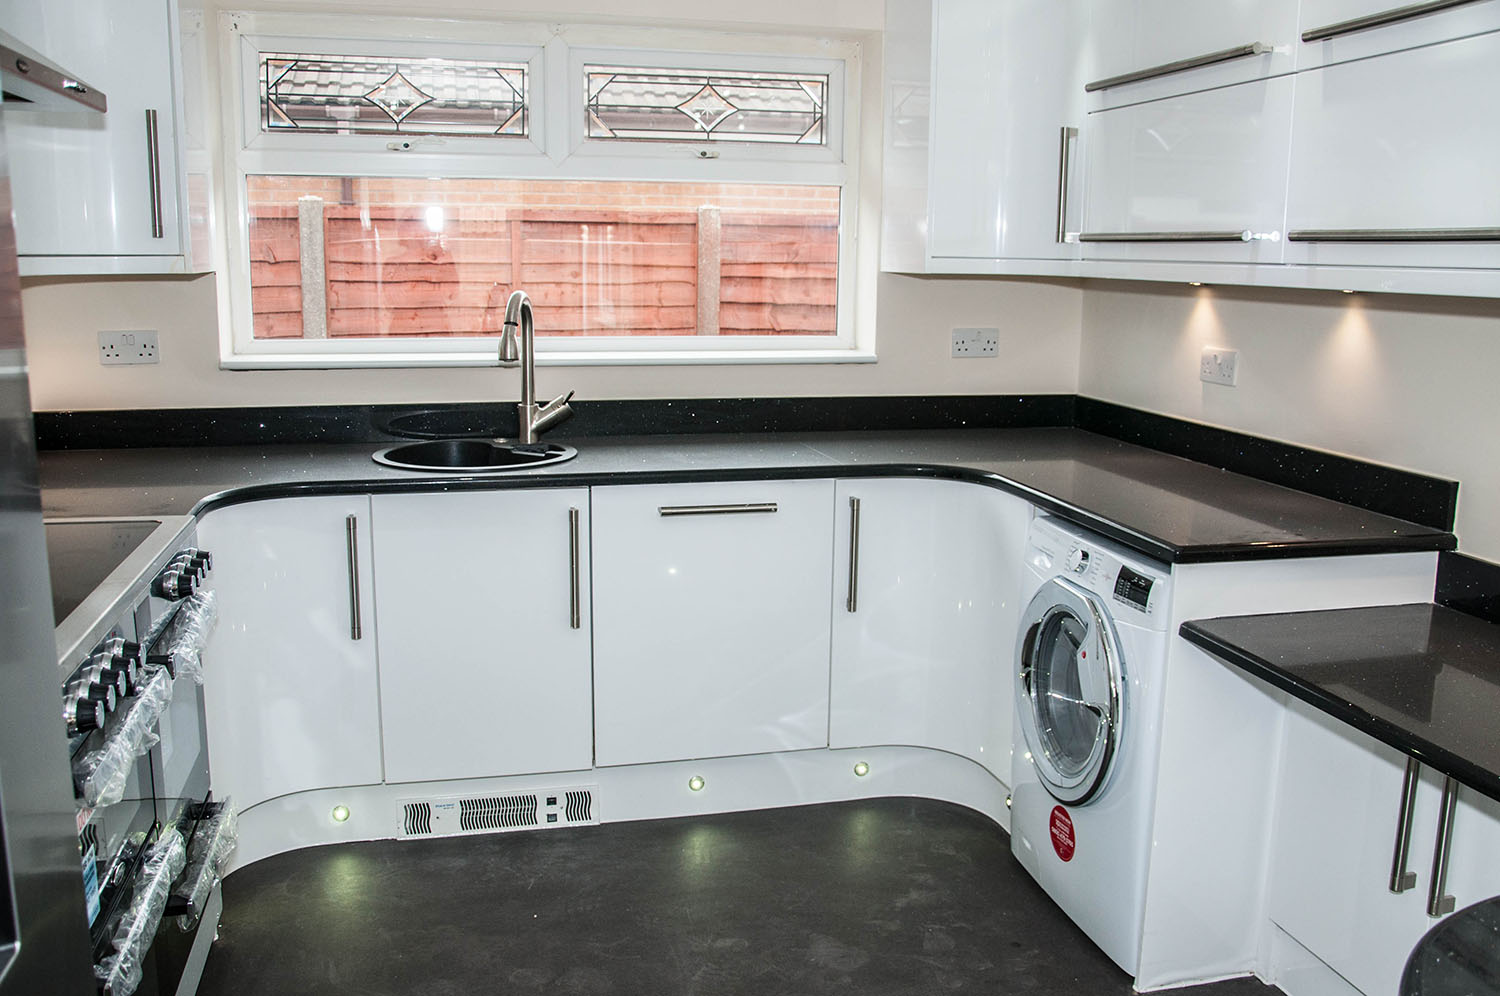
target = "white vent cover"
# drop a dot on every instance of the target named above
(540, 810)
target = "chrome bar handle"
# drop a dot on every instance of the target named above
(1180, 66)
(1379, 20)
(1401, 879)
(575, 606)
(1394, 235)
(1439, 903)
(1065, 142)
(668, 510)
(852, 602)
(1243, 235)
(153, 171)
(351, 540)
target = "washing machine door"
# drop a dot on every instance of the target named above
(1070, 688)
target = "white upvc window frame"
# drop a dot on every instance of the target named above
(556, 148)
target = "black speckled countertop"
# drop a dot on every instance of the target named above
(1164, 506)
(1422, 678)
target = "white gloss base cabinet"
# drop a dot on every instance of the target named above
(711, 628)
(81, 182)
(1395, 143)
(1212, 162)
(924, 656)
(292, 696)
(484, 634)
(1337, 815)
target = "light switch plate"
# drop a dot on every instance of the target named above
(119, 348)
(1218, 366)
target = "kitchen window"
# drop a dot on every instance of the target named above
(695, 204)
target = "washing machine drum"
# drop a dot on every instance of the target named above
(1070, 690)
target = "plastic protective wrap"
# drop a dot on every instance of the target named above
(121, 971)
(105, 771)
(215, 840)
(195, 620)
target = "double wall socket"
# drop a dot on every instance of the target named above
(119, 348)
(970, 342)
(1218, 366)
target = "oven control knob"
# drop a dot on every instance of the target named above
(104, 694)
(1078, 561)
(104, 674)
(82, 715)
(174, 583)
(203, 560)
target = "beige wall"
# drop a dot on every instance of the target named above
(1407, 381)
(1039, 323)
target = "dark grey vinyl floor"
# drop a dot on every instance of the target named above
(887, 896)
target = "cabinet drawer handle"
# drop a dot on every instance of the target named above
(1439, 903)
(153, 172)
(1180, 66)
(1379, 20)
(1066, 139)
(766, 506)
(1401, 879)
(575, 607)
(1243, 235)
(351, 540)
(852, 602)
(1394, 235)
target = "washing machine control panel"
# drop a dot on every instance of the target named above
(1078, 561)
(1133, 588)
(1105, 574)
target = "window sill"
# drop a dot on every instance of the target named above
(581, 358)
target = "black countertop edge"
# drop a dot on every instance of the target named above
(1418, 498)
(1467, 772)
(1469, 585)
(1430, 501)
(1148, 545)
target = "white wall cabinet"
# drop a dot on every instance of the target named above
(91, 192)
(1007, 108)
(1399, 146)
(1341, 30)
(483, 599)
(1337, 814)
(1146, 37)
(1183, 178)
(292, 696)
(711, 624)
(923, 651)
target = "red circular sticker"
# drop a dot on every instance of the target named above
(1061, 829)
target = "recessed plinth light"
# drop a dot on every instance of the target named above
(861, 769)
(1348, 291)
(340, 814)
(696, 783)
(1195, 283)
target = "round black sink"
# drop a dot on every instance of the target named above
(473, 456)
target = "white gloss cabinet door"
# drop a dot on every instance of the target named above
(1399, 143)
(291, 689)
(1336, 34)
(1334, 840)
(484, 635)
(83, 183)
(1004, 175)
(1178, 171)
(1133, 36)
(924, 634)
(711, 629)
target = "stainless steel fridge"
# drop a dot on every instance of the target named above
(44, 943)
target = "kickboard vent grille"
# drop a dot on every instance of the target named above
(540, 810)
(416, 819)
(507, 812)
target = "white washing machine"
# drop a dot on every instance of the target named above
(1090, 670)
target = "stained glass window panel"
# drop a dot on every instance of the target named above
(354, 94)
(637, 103)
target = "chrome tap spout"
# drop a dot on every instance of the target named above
(518, 348)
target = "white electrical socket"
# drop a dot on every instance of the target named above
(1218, 366)
(971, 342)
(118, 348)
